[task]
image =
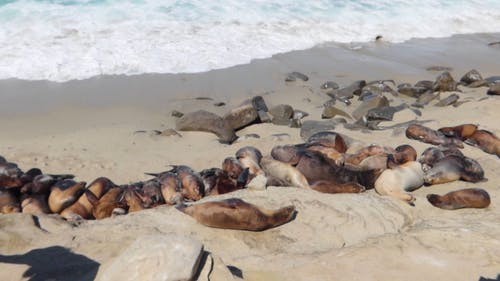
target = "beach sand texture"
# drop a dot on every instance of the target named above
(91, 128)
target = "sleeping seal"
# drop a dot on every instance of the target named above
(463, 198)
(397, 181)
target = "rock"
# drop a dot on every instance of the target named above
(281, 114)
(331, 111)
(451, 99)
(156, 257)
(297, 117)
(241, 116)
(424, 99)
(310, 127)
(170, 132)
(349, 91)
(380, 87)
(293, 76)
(280, 137)
(429, 85)
(264, 117)
(330, 85)
(366, 105)
(493, 79)
(214, 269)
(480, 83)
(411, 91)
(445, 83)
(438, 68)
(471, 77)
(218, 104)
(494, 43)
(177, 114)
(259, 104)
(494, 89)
(384, 113)
(205, 121)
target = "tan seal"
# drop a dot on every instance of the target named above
(82, 208)
(334, 187)
(35, 204)
(463, 198)
(428, 135)
(108, 204)
(397, 181)
(283, 172)
(486, 141)
(64, 193)
(461, 132)
(237, 214)
(9, 202)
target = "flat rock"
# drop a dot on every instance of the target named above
(241, 116)
(205, 121)
(156, 257)
(310, 127)
(471, 77)
(494, 89)
(425, 84)
(331, 111)
(439, 68)
(449, 100)
(283, 111)
(412, 91)
(480, 83)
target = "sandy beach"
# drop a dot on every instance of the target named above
(105, 126)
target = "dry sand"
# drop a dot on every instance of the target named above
(87, 128)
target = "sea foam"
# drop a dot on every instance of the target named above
(76, 39)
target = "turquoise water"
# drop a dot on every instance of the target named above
(63, 40)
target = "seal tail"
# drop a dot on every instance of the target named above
(434, 199)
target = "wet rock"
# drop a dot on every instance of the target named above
(451, 99)
(205, 121)
(311, 127)
(471, 77)
(445, 83)
(494, 89)
(177, 114)
(330, 85)
(331, 111)
(170, 132)
(241, 116)
(156, 257)
(294, 76)
(366, 105)
(219, 104)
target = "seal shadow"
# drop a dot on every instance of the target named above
(489, 279)
(54, 263)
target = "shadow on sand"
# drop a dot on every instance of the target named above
(54, 263)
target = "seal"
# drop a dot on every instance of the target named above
(35, 204)
(109, 204)
(315, 167)
(10, 175)
(82, 208)
(365, 152)
(232, 167)
(132, 199)
(41, 183)
(334, 187)
(250, 157)
(327, 151)
(463, 198)
(432, 155)
(171, 188)
(64, 193)
(283, 172)
(192, 187)
(218, 181)
(151, 194)
(397, 181)
(428, 135)
(461, 132)
(234, 213)
(452, 168)
(404, 153)
(8, 201)
(289, 154)
(486, 141)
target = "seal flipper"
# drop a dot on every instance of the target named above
(435, 200)
(340, 144)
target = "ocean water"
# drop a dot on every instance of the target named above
(60, 40)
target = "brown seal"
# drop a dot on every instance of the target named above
(333, 187)
(132, 199)
(283, 172)
(108, 204)
(64, 193)
(218, 181)
(82, 208)
(486, 141)
(232, 167)
(234, 213)
(452, 168)
(289, 154)
(397, 181)
(315, 167)
(35, 204)
(463, 198)
(404, 153)
(9, 202)
(428, 135)
(461, 132)
(10, 175)
(432, 155)
(357, 158)
(151, 194)
(327, 151)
